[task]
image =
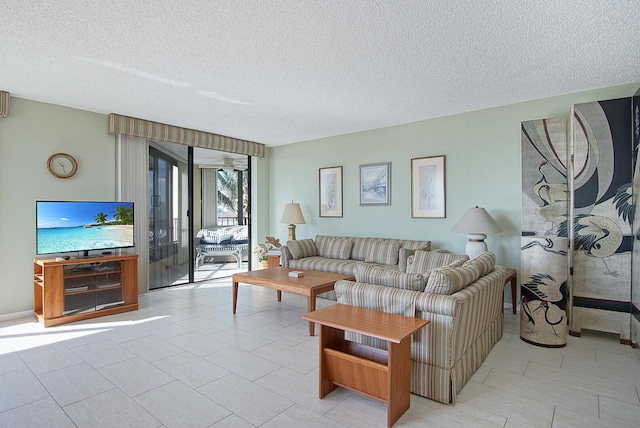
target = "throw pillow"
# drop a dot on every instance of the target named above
(449, 280)
(361, 247)
(384, 252)
(302, 248)
(322, 243)
(486, 262)
(403, 256)
(339, 248)
(424, 261)
(372, 274)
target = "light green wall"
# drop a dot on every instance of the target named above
(483, 167)
(482, 152)
(32, 132)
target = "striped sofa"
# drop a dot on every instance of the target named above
(463, 301)
(342, 254)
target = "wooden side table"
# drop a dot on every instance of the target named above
(512, 277)
(376, 373)
(273, 260)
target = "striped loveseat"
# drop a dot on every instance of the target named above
(463, 301)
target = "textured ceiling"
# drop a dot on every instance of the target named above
(283, 71)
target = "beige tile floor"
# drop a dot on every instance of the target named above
(183, 360)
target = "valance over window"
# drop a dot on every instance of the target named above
(134, 127)
(4, 103)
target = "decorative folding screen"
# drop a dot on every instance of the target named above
(578, 193)
(544, 261)
(602, 216)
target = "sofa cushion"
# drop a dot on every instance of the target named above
(302, 248)
(412, 244)
(486, 261)
(424, 261)
(372, 274)
(323, 264)
(323, 242)
(361, 247)
(338, 248)
(384, 252)
(449, 280)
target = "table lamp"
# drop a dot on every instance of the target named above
(476, 223)
(292, 215)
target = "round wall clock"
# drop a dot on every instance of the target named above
(62, 165)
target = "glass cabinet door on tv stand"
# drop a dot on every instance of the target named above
(76, 289)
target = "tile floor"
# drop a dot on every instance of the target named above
(183, 360)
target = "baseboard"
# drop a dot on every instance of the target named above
(15, 315)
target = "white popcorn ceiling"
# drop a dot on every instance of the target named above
(284, 71)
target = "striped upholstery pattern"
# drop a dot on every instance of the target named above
(449, 279)
(378, 297)
(361, 247)
(384, 252)
(323, 241)
(302, 248)
(339, 248)
(323, 264)
(125, 125)
(425, 261)
(372, 274)
(486, 262)
(411, 244)
(403, 255)
(462, 330)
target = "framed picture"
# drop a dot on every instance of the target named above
(330, 194)
(375, 184)
(427, 187)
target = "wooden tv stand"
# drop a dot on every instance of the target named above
(81, 288)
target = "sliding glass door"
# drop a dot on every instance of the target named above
(208, 189)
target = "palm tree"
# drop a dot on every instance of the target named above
(228, 194)
(101, 218)
(123, 215)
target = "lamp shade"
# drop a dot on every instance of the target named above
(292, 214)
(476, 220)
(476, 223)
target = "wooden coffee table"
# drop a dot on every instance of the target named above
(376, 373)
(310, 284)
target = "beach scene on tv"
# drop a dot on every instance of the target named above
(83, 226)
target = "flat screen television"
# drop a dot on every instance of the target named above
(83, 226)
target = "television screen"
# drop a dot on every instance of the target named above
(82, 226)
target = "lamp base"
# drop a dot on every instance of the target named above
(292, 232)
(476, 245)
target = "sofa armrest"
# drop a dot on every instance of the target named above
(285, 256)
(379, 297)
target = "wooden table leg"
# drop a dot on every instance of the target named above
(279, 295)
(329, 338)
(513, 293)
(234, 292)
(399, 395)
(311, 306)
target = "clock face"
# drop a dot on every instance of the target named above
(62, 165)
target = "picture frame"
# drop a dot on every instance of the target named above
(375, 184)
(330, 191)
(428, 199)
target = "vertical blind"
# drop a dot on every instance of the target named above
(134, 127)
(4, 103)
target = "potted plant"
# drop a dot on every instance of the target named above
(263, 249)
